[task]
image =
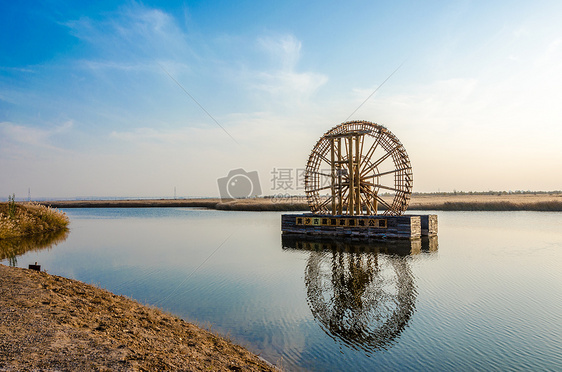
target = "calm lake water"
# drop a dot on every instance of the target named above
(486, 296)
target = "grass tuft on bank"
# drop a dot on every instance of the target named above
(25, 219)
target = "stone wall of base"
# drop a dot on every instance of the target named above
(428, 224)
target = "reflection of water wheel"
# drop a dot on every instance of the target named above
(355, 162)
(362, 299)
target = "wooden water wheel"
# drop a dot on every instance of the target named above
(358, 168)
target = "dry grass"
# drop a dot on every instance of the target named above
(459, 202)
(501, 202)
(261, 205)
(25, 219)
(552, 206)
(134, 203)
(254, 204)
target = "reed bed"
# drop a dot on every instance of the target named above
(542, 206)
(547, 202)
(251, 204)
(25, 219)
(262, 205)
(135, 203)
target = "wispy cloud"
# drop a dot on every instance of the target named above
(31, 143)
(283, 82)
(292, 86)
(38, 137)
(283, 50)
(132, 33)
(114, 65)
(552, 55)
(147, 135)
(188, 137)
(26, 70)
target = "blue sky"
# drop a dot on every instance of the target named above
(89, 105)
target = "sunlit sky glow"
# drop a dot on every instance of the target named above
(87, 107)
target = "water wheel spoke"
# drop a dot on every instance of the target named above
(321, 188)
(346, 147)
(318, 173)
(372, 148)
(322, 156)
(379, 161)
(366, 183)
(345, 196)
(365, 201)
(388, 188)
(380, 200)
(325, 202)
(385, 173)
(362, 140)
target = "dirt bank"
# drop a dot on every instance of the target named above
(51, 323)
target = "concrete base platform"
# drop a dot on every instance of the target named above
(360, 227)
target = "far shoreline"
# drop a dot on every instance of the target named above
(548, 202)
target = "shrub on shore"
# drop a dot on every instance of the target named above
(24, 219)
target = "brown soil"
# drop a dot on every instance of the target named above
(50, 323)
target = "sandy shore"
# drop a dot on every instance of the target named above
(466, 202)
(50, 323)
